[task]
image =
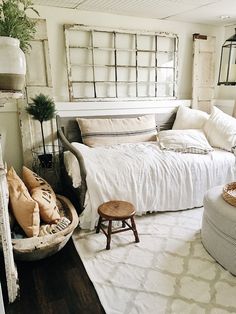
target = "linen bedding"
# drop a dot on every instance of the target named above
(150, 178)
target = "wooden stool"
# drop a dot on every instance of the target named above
(120, 211)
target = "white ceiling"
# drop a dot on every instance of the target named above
(194, 11)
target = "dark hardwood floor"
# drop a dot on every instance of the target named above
(58, 284)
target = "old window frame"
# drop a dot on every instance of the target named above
(116, 88)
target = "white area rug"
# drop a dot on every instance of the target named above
(169, 271)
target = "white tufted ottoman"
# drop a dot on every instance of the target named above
(219, 229)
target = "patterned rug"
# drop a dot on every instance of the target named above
(169, 271)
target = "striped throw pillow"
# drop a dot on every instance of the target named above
(184, 141)
(101, 132)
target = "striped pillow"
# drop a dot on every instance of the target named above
(101, 132)
(184, 141)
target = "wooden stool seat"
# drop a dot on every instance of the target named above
(116, 210)
(119, 211)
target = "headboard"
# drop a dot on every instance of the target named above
(164, 111)
(70, 127)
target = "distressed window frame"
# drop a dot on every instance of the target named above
(94, 82)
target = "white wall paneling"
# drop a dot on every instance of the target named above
(110, 108)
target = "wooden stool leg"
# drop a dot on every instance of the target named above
(109, 235)
(99, 224)
(134, 229)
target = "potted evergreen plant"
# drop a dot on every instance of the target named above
(16, 30)
(42, 109)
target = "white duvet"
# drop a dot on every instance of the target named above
(148, 177)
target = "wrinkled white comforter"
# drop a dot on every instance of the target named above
(148, 177)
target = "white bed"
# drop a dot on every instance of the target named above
(147, 174)
(150, 178)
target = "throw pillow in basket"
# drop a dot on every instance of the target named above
(41, 191)
(24, 208)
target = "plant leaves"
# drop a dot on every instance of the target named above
(42, 108)
(15, 23)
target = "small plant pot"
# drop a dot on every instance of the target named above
(48, 160)
(45, 160)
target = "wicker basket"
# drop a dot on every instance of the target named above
(229, 193)
(30, 249)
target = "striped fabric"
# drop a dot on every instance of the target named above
(184, 141)
(101, 132)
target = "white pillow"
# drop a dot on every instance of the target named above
(99, 132)
(187, 118)
(184, 141)
(220, 130)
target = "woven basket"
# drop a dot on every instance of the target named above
(35, 248)
(229, 193)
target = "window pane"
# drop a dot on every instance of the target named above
(80, 56)
(104, 74)
(103, 39)
(165, 44)
(146, 90)
(146, 42)
(126, 74)
(103, 57)
(126, 90)
(146, 75)
(165, 75)
(105, 90)
(83, 90)
(82, 73)
(126, 58)
(165, 90)
(79, 38)
(125, 41)
(165, 59)
(146, 59)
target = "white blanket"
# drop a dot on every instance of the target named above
(148, 177)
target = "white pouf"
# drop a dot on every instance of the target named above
(219, 229)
